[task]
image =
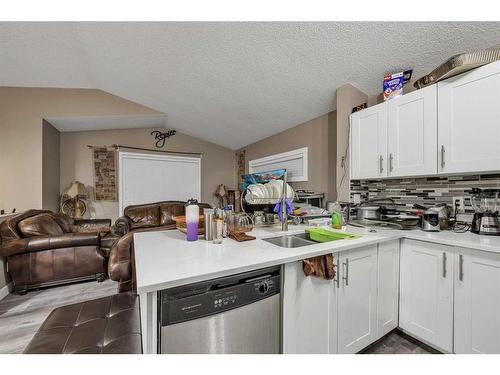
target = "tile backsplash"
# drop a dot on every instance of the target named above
(426, 191)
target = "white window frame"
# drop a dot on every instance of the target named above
(274, 163)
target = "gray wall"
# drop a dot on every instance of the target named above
(51, 172)
(320, 136)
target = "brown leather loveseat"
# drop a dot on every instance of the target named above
(139, 218)
(43, 248)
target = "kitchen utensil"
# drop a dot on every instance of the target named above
(368, 213)
(379, 224)
(325, 235)
(443, 212)
(430, 221)
(239, 223)
(405, 220)
(270, 218)
(208, 214)
(458, 64)
(258, 217)
(320, 222)
(217, 230)
(486, 203)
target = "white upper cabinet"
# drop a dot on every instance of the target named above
(412, 133)
(451, 127)
(477, 302)
(469, 121)
(369, 143)
(426, 292)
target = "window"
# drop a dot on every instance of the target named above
(295, 162)
(147, 178)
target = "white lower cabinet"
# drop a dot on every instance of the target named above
(388, 287)
(426, 292)
(444, 296)
(477, 302)
(309, 312)
(347, 314)
(357, 300)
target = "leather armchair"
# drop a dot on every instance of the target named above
(139, 218)
(43, 248)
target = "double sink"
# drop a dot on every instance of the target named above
(299, 240)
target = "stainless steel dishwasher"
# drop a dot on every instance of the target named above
(234, 314)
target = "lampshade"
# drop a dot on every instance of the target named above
(76, 189)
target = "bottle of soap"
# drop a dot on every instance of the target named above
(192, 219)
(336, 216)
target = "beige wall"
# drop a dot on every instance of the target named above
(218, 163)
(21, 114)
(348, 97)
(319, 135)
(50, 167)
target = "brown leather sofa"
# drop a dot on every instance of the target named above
(43, 249)
(139, 218)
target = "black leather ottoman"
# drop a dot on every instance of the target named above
(109, 325)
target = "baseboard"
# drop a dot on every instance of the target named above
(5, 291)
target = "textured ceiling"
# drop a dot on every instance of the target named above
(76, 124)
(230, 83)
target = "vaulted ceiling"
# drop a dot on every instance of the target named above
(230, 83)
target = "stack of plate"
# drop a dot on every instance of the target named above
(267, 193)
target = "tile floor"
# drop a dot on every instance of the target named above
(398, 343)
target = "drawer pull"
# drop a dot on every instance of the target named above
(442, 157)
(346, 272)
(461, 267)
(444, 265)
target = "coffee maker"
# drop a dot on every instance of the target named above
(486, 204)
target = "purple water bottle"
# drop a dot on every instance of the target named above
(192, 219)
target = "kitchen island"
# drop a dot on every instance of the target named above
(165, 259)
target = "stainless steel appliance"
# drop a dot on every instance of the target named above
(234, 314)
(369, 211)
(430, 221)
(486, 204)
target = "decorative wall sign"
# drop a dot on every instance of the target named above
(104, 163)
(240, 167)
(160, 137)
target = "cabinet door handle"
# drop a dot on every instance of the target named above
(461, 267)
(391, 158)
(444, 265)
(337, 275)
(346, 272)
(381, 163)
(442, 157)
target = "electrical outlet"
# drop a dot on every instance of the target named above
(461, 205)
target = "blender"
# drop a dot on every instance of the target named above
(486, 204)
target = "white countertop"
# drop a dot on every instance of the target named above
(165, 259)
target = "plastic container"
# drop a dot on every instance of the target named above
(325, 235)
(192, 219)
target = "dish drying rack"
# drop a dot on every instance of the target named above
(279, 174)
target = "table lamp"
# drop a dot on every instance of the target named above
(77, 194)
